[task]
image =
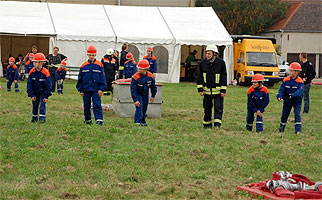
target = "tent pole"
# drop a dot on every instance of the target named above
(1, 68)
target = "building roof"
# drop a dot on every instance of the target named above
(301, 16)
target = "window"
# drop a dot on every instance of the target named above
(242, 58)
(135, 52)
(261, 59)
(162, 55)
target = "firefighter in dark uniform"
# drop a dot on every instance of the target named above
(110, 69)
(212, 85)
(307, 74)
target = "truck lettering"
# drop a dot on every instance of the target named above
(260, 47)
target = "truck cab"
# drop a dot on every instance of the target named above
(254, 55)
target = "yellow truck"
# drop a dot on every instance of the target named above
(253, 54)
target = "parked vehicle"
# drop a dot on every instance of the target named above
(254, 55)
(283, 65)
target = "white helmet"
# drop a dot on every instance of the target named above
(109, 52)
(212, 48)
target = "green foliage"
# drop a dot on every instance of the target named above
(247, 16)
(172, 158)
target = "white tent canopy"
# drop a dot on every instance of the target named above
(25, 18)
(195, 26)
(74, 27)
(81, 22)
(139, 25)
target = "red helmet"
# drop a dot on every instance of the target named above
(258, 77)
(39, 57)
(149, 48)
(143, 64)
(63, 63)
(12, 59)
(91, 50)
(129, 55)
(295, 66)
(31, 55)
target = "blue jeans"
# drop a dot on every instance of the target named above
(140, 112)
(250, 120)
(97, 107)
(42, 109)
(306, 97)
(297, 115)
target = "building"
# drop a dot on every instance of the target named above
(300, 31)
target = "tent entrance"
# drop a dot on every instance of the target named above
(12, 46)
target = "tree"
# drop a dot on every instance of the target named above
(246, 16)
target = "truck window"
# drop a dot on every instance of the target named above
(261, 59)
(242, 58)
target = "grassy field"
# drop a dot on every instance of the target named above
(172, 158)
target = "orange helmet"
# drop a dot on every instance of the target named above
(258, 77)
(31, 55)
(12, 59)
(129, 55)
(39, 57)
(63, 63)
(149, 48)
(143, 64)
(91, 50)
(295, 66)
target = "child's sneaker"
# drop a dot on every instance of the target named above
(88, 122)
(143, 124)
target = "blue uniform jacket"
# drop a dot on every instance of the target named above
(91, 77)
(129, 68)
(60, 73)
(141, 84)
(39, 83)
(153, 63)
(257, 99)
(29, 65)
(12, 73)
(291, 87)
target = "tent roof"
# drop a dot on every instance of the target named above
(195, 26)
(136, 24)
(25, 18)
(81, 22)
(131, 24)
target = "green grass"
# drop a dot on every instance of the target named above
(172, 158)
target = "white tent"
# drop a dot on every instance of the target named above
(199, 26)
(74, 27)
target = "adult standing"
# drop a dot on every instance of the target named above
(110, 68)
(152, 60)
(54, 60)
(189, 71)
(212, 85)
(123, 59)
(34, 50)
(307, 74)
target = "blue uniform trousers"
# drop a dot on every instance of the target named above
(140, 112)
(60, 88)
(97, 107)
(306, 96)
(9, 86)
(42, 109)
(250, 120)
(297, 114)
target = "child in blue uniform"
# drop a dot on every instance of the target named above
(141, 82)
(291, 92)
(129, 66)
(152, 60)
(12, 74)
(60, 75)
(29, 64)
(257, 100)
(39, 87)
(91, 84)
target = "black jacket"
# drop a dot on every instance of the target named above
(307, 72)
(212, 76)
